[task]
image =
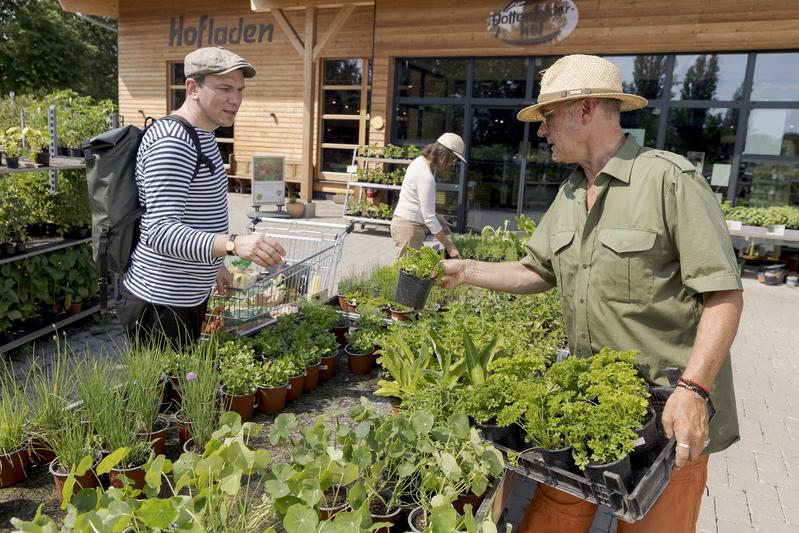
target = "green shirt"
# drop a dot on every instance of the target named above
(631, 272)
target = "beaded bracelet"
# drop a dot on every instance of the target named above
(701, 393)
(693, 383)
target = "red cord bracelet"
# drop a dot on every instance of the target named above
(693, 383)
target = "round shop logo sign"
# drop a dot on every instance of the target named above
(525, 22)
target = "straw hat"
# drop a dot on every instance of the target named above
(580, 76)
(454, 143)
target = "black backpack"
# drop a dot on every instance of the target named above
(114, 196)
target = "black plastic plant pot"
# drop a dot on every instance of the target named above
(504, 436)
(559, 458)
(12, 162)
(647, 438)
(43, 159)
(412, 292)
(623, 467)
(7, 249)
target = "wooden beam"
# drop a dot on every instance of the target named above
(264, 6)
(288, 29)
(342, 16)
(308, 91)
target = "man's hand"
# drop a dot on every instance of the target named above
(259, 249)
(454, 273)
(452, 252)
(685, 417)
(223, 281)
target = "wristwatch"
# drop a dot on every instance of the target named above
(230, 245)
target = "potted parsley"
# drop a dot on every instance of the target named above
(418, 270)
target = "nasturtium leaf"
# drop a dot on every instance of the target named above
(112, 460)
(85, 501)
(459, 423)
(450, 466)
(443, 518)
(231, 483)
(300, 519)
(423, 422)
(335, 454)
(157, 513)
(153, 475)
(84, 465)
(276, 488)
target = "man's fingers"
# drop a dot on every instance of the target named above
(682, 454)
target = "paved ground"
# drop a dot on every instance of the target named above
(753, 486)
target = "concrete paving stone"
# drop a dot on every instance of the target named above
(791, 455)
(793, 472)
(734, 512)
(772, 470)
(750, 428)
(743, 467)
(727, 526)
(763, 499)
(789, 499)
(793, 427)
(753, 406)
(772, 524)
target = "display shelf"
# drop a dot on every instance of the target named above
(367, 220)
(16, 343)
(370, 185)
(354, 185)
(390, 161)
(56, 163)
(45, 248)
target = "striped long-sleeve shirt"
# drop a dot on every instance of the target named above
(172, 263)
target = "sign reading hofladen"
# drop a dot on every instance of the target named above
(267, 179)
(524, 22)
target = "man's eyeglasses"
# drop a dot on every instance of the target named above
(546, 114)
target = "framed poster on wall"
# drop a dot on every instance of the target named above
(268, 172)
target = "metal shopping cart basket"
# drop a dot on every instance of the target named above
(308, 271)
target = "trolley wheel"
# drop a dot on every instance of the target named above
(363, 226)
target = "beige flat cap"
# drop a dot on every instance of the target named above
(215, 61)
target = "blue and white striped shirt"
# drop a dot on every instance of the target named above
(172, 263)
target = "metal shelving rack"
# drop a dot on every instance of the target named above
(354, 184)
(57, 164)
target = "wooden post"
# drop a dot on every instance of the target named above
(309, 90)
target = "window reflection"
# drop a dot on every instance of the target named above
(768, 184)
(642, 75)
(776, 77)
(499, 77)
(642, 124)
(773, 132)
(443, 78)
(343, 72)
(708, 77)
(705, 136)
(426, 122)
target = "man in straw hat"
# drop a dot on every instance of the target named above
(638, 249)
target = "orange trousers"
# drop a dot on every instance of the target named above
(676, 511)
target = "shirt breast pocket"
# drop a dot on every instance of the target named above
(564, 260)
(623, 264)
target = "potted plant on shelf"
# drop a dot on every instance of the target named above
(296, 369)
(293, 207)
(37, 141)
(418, 270)
(273, 378)
(239, 374)
(11, 140)
(13, 435)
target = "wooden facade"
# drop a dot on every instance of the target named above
(272, 115)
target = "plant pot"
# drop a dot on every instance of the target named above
(75, 152)
(647, 438)
(463, 499)
(343, 304)
(412, 292)
(327, 368)
(14, 467)
(12, 162)
(311, 377)
(243, 404)
(342, 330)
(295, 209)
(40, 454)
(184, 428)
(74, 309)
(89, 480)
(136, 475)
(413, 516)
(504, 436)
(62, 151)
(43, 159)
(622, 467)
(294, 389)
(391, 517)
(399, 316)
(20, 248)
(7, 249)
(272, 400)
(359, 363)
(559, 457)
(325, 513)
(189, 446)
(158, 436)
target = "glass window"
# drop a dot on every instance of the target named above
(542, 179)
(494, 166)
(708, 77)
(773, 132)
(642, 124)
(776, 77)
(425, 78)
(424, 123)
(177, 77)
(642, 75)
(336, 159)
(340, 131)
(705, 136)
(500, 77)
(343, 72)
(540, 64)
(342, 102)
(767, 184)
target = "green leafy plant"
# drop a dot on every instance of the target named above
(11, 139)
(199, 383)
(424, 263)
(36, 140)
(143, 385)
(367, 331)
(239, 371)
(13, 413)
(274, 373)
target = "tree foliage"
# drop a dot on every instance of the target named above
(43, 49)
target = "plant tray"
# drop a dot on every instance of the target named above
(628, 505)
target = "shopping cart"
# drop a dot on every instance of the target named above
(308, 271)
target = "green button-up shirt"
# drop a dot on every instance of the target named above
(631, 272)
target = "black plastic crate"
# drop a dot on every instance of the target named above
(649, 481)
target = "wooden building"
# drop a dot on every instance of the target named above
(722, 78)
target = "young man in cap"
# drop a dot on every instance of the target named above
(184, 231)
(638, 249)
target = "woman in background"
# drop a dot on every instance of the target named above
(416, 209)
